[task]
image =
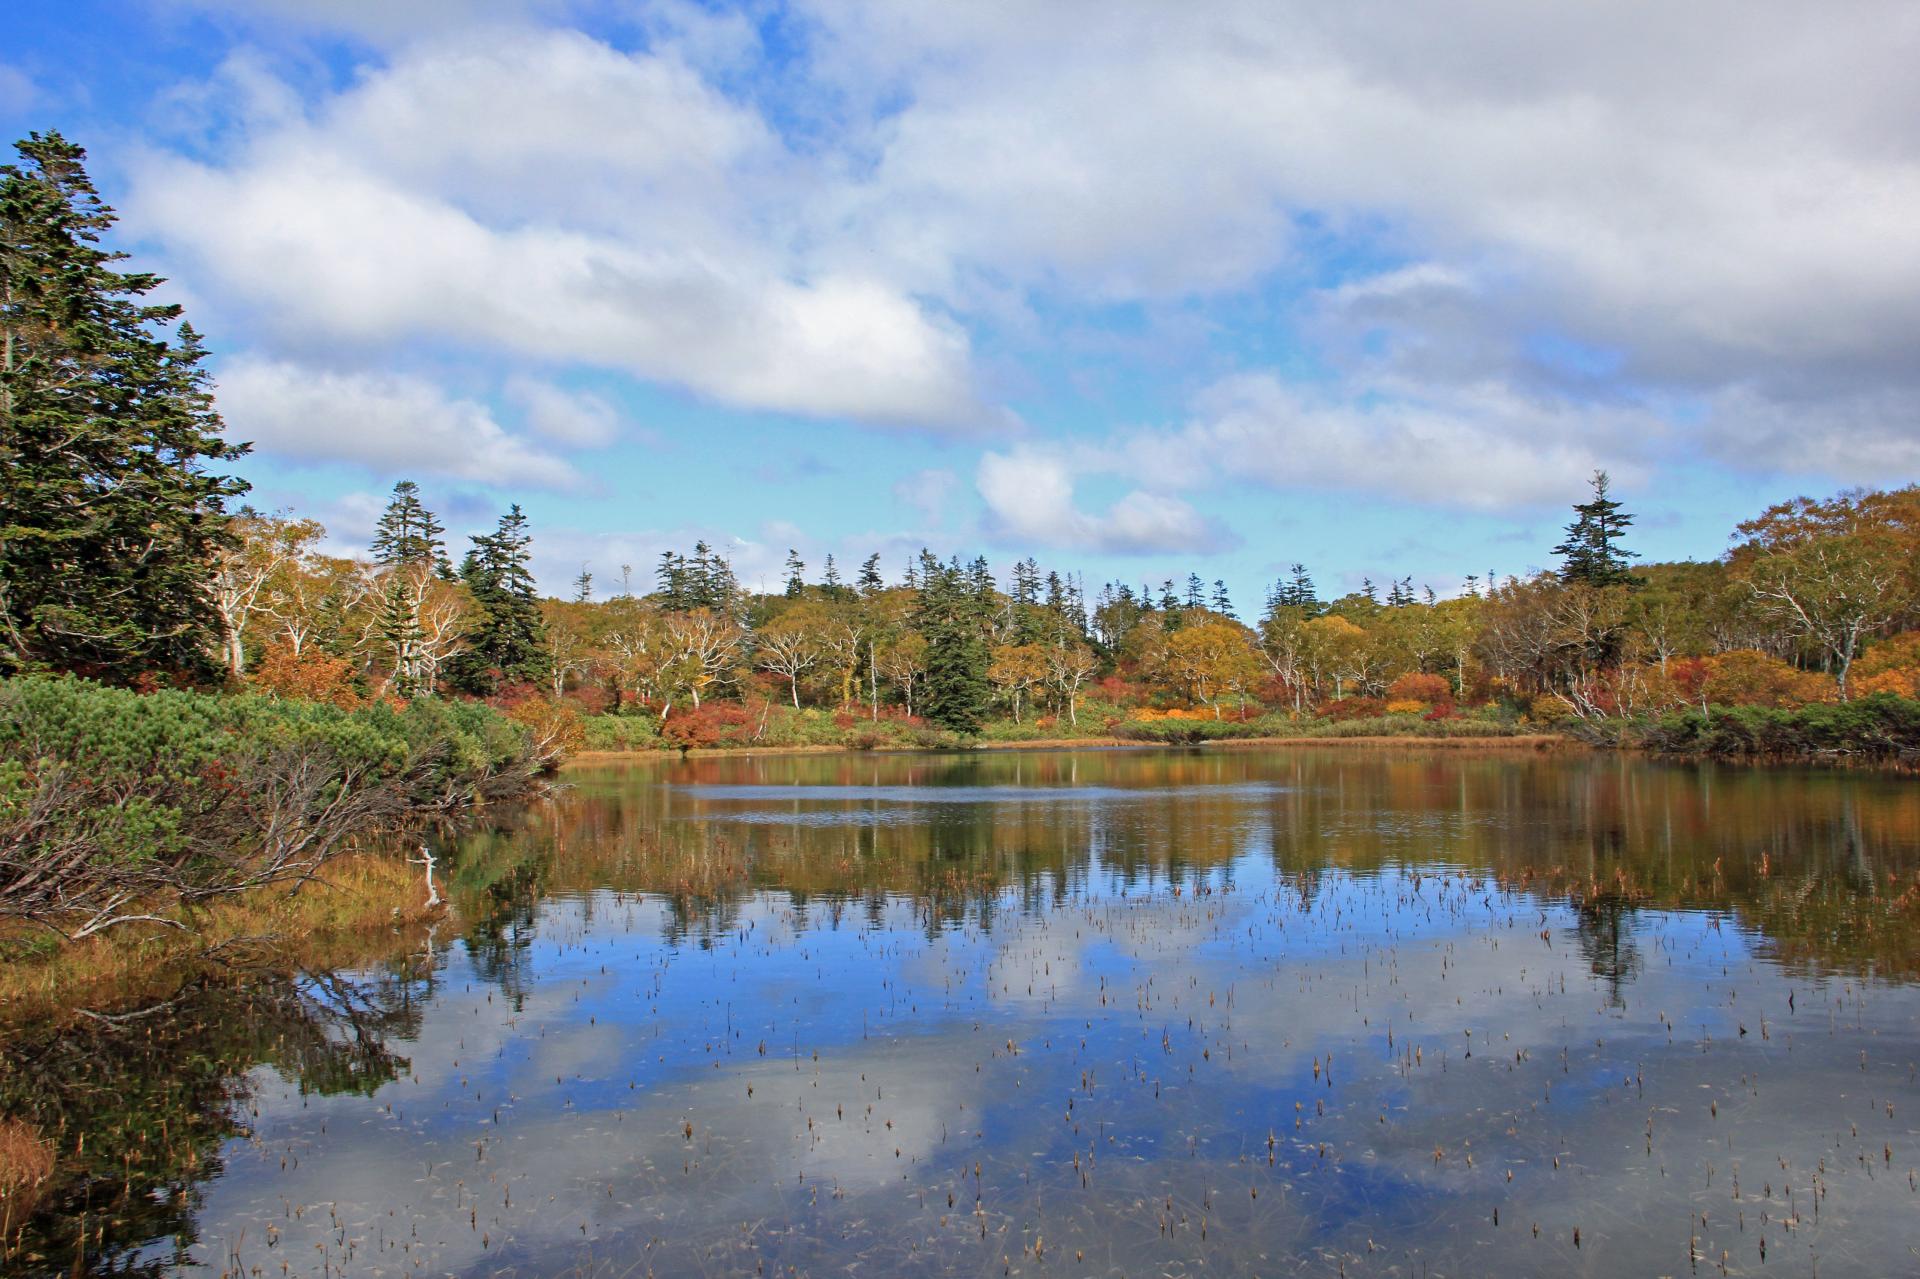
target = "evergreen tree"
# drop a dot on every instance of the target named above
(1196, 591)
(830, 578)
(583, 586)
(1304, 594)
(670, 581)
(871, 583)
(398, 625)
(407, 533)
(1222, 602)
(109, 520)
(701, 587)
(951, 615)
(796, 574)
(1026, 582)
(980, 577)
(1592, 554)
(506, 640)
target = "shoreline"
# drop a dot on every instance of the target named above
(1517, 741)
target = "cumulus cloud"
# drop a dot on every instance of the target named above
(1521, 241)
(390, 423)
(552, 197)
(1668, 181)
(1482, 447)
(1029, 497)
(1750, 430)
(566, 417)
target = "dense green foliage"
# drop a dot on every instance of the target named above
(952, 609)
(113, 803)
(108, 519)
(1878, 727)
(505, 635)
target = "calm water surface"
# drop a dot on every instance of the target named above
(1101, 1013)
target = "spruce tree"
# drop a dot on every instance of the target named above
(871, 582)
(1592, 555)
(1222, 602)
(670, 581)
(109, 519)
(407, 533)
(951, 615)
(796, 574)
(506, 640)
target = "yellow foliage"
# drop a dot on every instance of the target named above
(1905, 683)
(1746, 677)
(1407, 706)
(1548, 709)
(1891, 666)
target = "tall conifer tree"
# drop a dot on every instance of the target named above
(506, 641)
(1592, 553)
(109, 518)
(951, 613)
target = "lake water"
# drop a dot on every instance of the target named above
(1083, 1013)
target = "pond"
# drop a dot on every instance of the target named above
(1080, 1013)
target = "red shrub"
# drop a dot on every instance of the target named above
(712, 724)
(1416, 687)
(1353, 708)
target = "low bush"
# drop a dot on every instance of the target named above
(624, 732)
(115, 805)
(1879, 727)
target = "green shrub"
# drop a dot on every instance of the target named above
(114, 803)
(621, 732)
(1883, 726)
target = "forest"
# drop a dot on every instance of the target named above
(1812, 605)
(199, 689)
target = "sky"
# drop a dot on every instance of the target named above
(1137, 289)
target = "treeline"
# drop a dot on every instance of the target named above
(1814, 604)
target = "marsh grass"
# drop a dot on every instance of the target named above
(321, 922)
(26, 1174)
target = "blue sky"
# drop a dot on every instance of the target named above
(1134, 293)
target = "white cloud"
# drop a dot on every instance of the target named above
(567, 417)
(1482, 447)
(392, 424)
(548, 196)
(1878, 430)
(927, 492)
(1721, 226)
(1029, 496)
(17, 91)
(1665, 179)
